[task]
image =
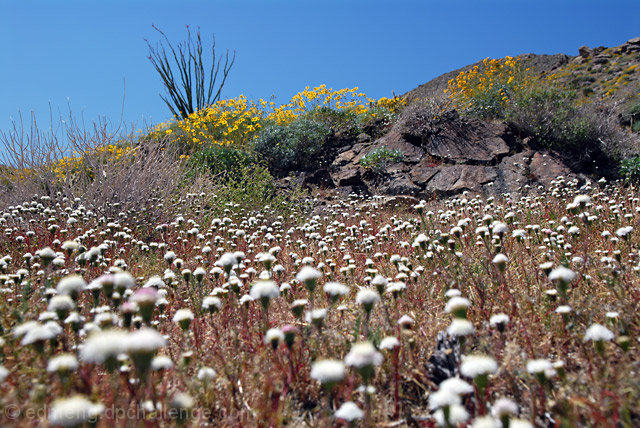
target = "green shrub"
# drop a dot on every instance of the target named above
(485, 89)
(252, 188)
(633, 117)
(634, 111)
(424, 117)
(587, 91)
(553, 119)
(343, 121)
(216, 160)
(292, 147)
(630, 169)
(378, 159)
(377, 120)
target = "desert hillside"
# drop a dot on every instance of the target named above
(467, 254)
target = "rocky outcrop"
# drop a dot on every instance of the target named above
(349, 176)
(453, 179)
(318, 178)
(394, 140)
(545, 167)
(447, 156)
(632, 45)
(460, 140)
(585, 51)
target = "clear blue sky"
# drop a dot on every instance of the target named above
(85, 50)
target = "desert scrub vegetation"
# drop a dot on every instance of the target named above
(378, 159)
(108, 169)
(551, 116)
(616, 77)
(222, 160)
(250, 188)
(287, 136)
(631, 117)
(630, 169)
(218, 143)
(237, 121)
(518, 311)
(554, 119)
(291, 147)
(485, 90)
(197, 85)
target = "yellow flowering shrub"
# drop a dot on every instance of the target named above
(485, 90)
(232, 123)
(70, 166)
(236, 121)
(10, 174)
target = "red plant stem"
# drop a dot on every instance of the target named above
(396, 389)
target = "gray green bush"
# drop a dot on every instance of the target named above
(378, 159)
(292, 147)
(553, 119)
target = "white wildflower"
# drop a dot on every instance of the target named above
(563, 309)
(328, 371)
(443, 397)
(183, 315)
(206, 373)
(62, 363)
(73, 411)
(562, 274)
(486, 422)
(504, 407)
(363, 354)
(457, 305)
(535, 367)
(103, 345)
(274, 336)
(161, 362)
(62, 303)
(499, 321)
(349, 411)
(211, 303)
(598, 333)
(145, 340)
(335, 289)
(456, 385)
(460, 327)
(457, 415)
(477, 365)
(389, 342)
(71, 285)
(367, 297)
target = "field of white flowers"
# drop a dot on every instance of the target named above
(474, 311)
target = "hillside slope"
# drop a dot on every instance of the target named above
(612, 74)
(445, 152)
(542, 64)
